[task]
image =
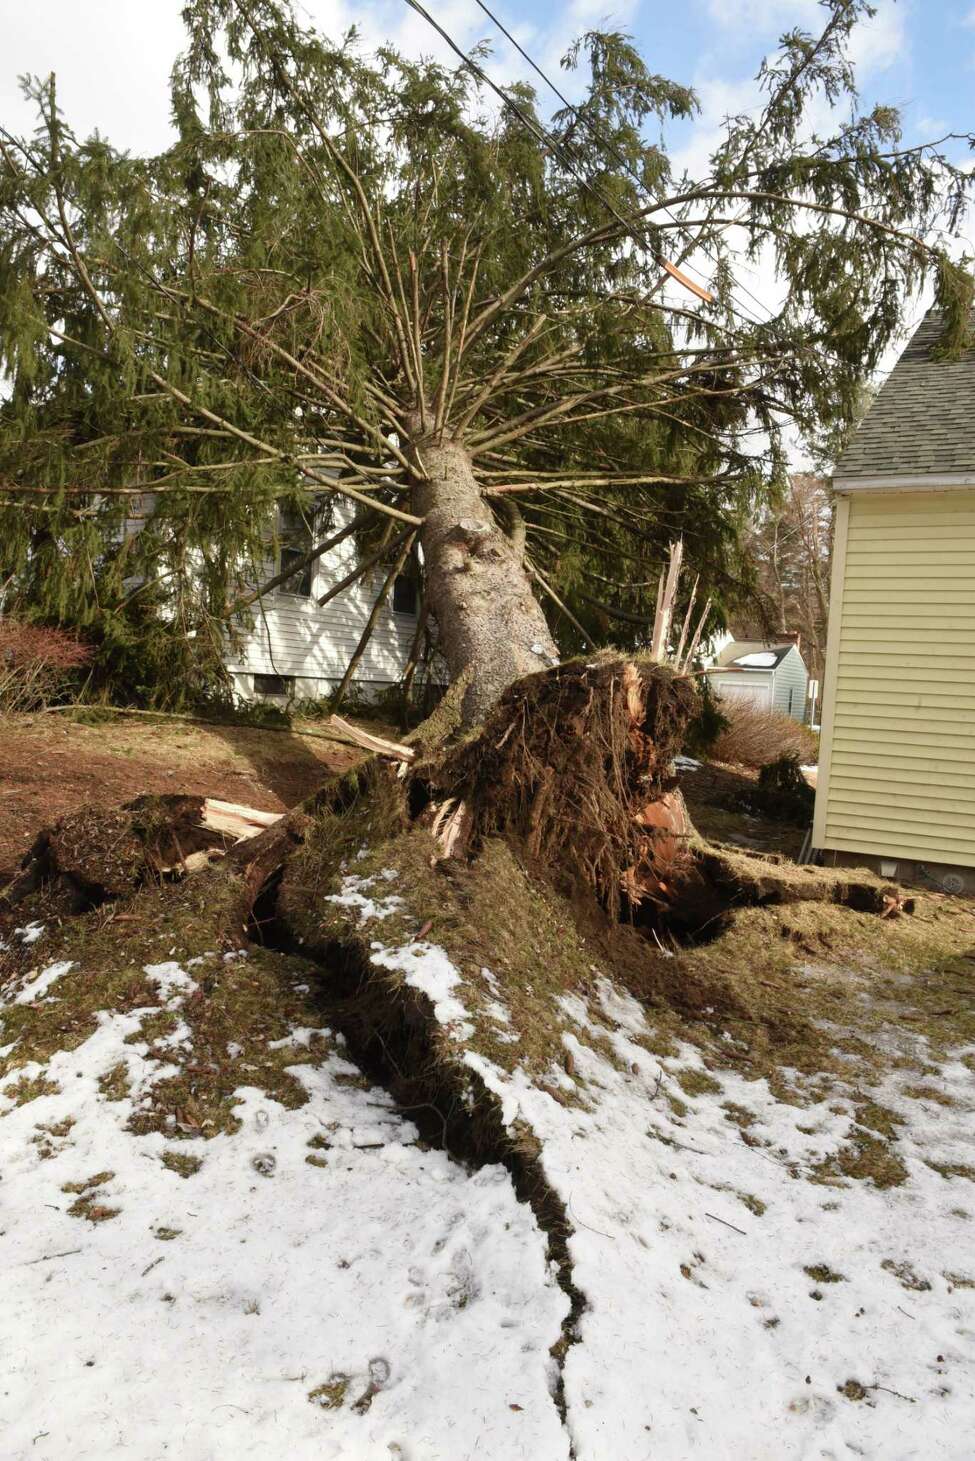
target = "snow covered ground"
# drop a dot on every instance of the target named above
(324, 1287)
(377, 1301)
(737, 1309)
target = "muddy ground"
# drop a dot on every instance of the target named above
(49, 767)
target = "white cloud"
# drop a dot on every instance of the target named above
(113, 57)
(764, 14)
(875, 44)
(112, 61)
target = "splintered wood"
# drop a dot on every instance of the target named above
(393, 749)
(234, 820)
(660, 641)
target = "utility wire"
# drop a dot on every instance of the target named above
(554, 143)
(827, 356)
(614, 151)
(549, 140)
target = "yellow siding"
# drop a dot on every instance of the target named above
(897, 771)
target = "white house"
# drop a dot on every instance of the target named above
(769, 675)
(299, 649)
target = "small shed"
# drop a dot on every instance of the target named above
(771, 676)
(897, 764)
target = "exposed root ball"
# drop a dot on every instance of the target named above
(574, 764)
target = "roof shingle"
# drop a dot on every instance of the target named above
(923, 420)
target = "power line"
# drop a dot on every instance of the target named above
(611, 147)
(554, 144)
(826, 356)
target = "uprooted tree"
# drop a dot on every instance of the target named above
(348, 279)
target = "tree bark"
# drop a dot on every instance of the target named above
(492, 627)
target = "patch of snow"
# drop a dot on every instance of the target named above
(428, 968)
(687, 763)
(172, 982)
(30, 933)
(496, 1011)
(38, 987)
(354, 895)
(703, 1332)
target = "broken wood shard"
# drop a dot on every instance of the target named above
(451, 826)
(393, 749)
(234, 820)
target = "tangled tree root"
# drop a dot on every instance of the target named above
(95, 856)
(575, 764)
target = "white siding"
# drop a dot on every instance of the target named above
(790, 679)
(293, 636)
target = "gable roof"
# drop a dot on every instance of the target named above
(922, 422)
(738, 648)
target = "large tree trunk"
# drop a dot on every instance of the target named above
(491, 626)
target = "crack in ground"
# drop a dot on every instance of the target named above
(389, 1032)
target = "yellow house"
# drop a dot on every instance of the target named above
(897, 765)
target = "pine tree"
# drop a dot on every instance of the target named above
(353, 276)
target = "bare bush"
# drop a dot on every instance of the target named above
(756, 737)
(36, 665)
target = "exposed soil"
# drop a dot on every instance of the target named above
(714, 794)
(49, 767)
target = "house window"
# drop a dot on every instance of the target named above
(274, 685)
(296, 544)
(404, 595)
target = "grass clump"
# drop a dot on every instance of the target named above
(331, 1394)
(114, 1084)
(864, 1158)
(905, 1276)
(879, 1118)
(184, 1164)
(88, 1204)
(50, 1137)
(30, 1088)
(694, 1082)
(754, 1204)
(948, 1170)
(930, 1093)
(822, 1273)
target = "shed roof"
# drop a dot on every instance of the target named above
(921, 423)
(739, 648)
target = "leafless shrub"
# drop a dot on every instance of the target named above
(756, 737)
(36, 665)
